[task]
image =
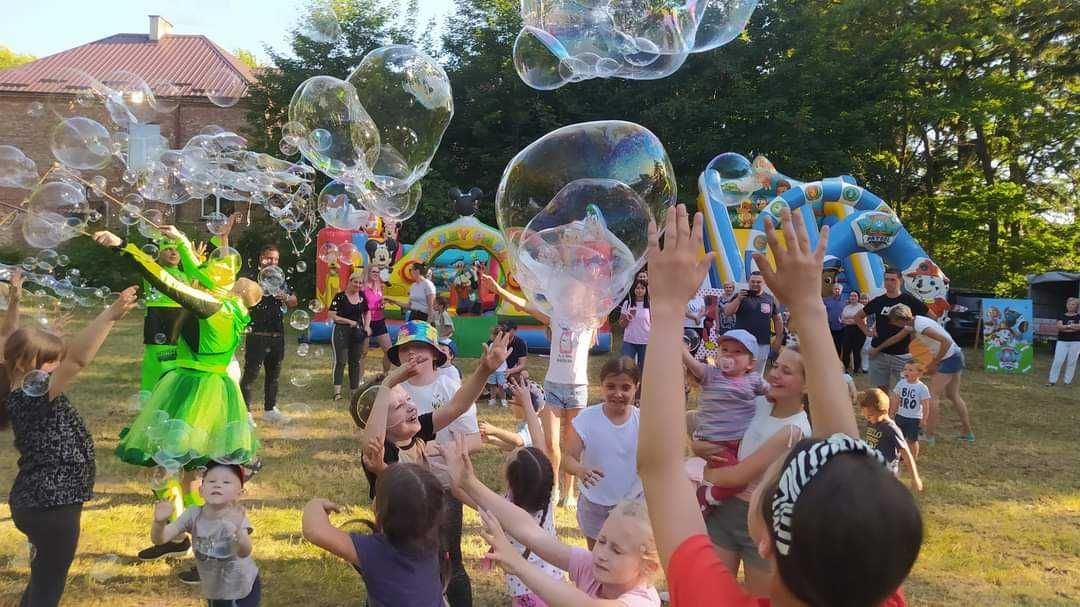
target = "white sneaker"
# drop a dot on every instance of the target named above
(503, 403)
(251, 420)
(275, 416)
(491, 402)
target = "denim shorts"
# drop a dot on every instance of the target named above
(952, 364)
(591, 517)
(566, 396)
(497, 378)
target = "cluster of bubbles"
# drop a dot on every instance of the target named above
(45, 287)
(373, 133)
(575, 206)
(565, 41)
(177, 443)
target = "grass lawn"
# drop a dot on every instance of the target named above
(1002, 515)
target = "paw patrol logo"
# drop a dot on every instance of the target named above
(777, 206)
(875, 231)
(850, 193)
(759, 243)
(813, 192)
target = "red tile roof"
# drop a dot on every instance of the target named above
(177, 65)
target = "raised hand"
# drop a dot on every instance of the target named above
(162, 511)
(402, 373)
(123, 303)
(796, 276)
(372, 456)
(106, 238)
(502, 552)
(677, 270)
(495, 354)
(171, 232)
(520, 391)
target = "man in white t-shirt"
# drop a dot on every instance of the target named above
(421, 293)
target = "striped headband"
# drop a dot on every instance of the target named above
(800, 471)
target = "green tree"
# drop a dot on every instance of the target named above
(10, 59)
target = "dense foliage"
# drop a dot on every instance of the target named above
(960, 113)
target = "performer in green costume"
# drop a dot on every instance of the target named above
(195, 412)
(161, 328)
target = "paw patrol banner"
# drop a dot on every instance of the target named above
(1007, 335)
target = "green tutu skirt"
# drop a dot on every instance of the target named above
(190, 418)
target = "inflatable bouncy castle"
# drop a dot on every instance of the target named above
(738, 196)
(454, 252)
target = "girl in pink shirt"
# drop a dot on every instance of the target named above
(372, 290)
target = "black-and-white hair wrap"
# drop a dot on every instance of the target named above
(798, 474)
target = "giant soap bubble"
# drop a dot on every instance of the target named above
(57, 211)
(408, 96)
(332, 129)
(574, 206)
(573, 40)
(340, 209)
(16, 169)
(81, 143)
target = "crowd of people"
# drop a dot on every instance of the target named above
(769, 473)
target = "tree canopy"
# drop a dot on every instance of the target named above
(10, 59)
(960, 113)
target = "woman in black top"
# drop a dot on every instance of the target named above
(56, 452)
(1067, 349)
(351, 326)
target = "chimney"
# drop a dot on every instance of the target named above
(159, 27)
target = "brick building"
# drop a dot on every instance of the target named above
(182, 70)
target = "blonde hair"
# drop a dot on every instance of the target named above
(900, 312)
(25, 350)
(918, 366)
(248, 291)
(637, 512)
(1072, 300)
(875, 399)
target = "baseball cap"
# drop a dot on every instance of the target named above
(743, 337)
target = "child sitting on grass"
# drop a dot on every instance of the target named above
(728, 394)
(220, 537)
(883, 434)
(526, 405)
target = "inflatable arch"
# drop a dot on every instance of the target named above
(865, 234)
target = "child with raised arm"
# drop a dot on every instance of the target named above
(56, 466)
(220, 536)
(400, 559)
(728, 403)
(617, 571)
(394, 430)
(825, 491)
(527, 401)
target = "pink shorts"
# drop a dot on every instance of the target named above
(528, 600)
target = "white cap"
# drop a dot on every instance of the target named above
(743, 337)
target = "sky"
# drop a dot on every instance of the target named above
(43, 27)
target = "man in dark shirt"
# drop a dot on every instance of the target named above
(834, 307)
(756, 311)
(265, 347)
(519, 352)
(887, 364)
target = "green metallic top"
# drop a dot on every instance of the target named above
(212, 332)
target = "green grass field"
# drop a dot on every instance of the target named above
(1002, 515)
